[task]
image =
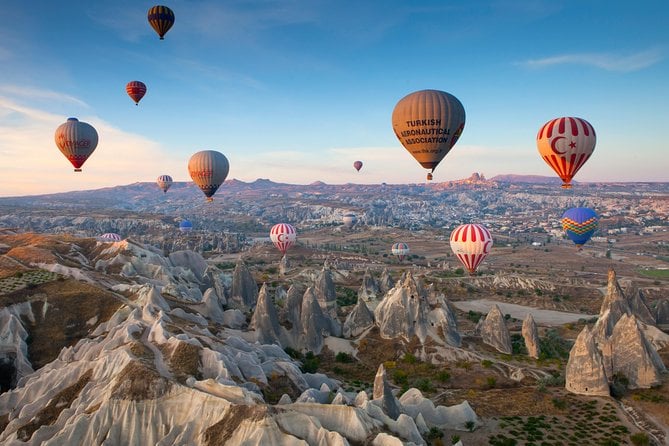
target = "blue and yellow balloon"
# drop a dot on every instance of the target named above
(579, 224)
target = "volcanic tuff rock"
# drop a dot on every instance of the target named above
(369, 289)
(265, 320)
(639, 306)
(13, 346)
(358, 320)
(325, 292)
(585, 373)
(383, 392)
(662, 312)
(531, 336)
(444, 316)
(284, 265)
(289, 315)
(313, 324)
(244, 292)
(494, 332)
(403, 311)
(386, 282)
(613, 307)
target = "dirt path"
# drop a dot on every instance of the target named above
(542, 317)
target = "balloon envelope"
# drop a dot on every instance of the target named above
(208, 169)
(110, 237)
(579, 224)
(566, 144)
(185, 226)
(350, 220)
(471, 244)
(357, 165)
(161, 19)
(400, 250)
(77, 141)
(428, 123)
(136, 90)
(164, 182)
(283, 235)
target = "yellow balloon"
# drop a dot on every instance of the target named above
(208, 169)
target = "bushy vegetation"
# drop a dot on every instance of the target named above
(346, 296)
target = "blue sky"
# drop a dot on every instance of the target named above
(296, 90)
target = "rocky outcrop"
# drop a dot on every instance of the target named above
(289, 316)
(531, 336)
(613, 307)
(314, 325)
(639, 306)
(213, 307)
(265, 321)
(386, 282)
(244, 290)
(628, 352)
(494, 332)
(662, 312)
(326, 293)
(190, 260)
(284, 265)
(369, 289)
(403, 311)
(443, 318)
(358, 320)
(383, 392)
(585, 373)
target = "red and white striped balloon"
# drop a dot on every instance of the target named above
(283, 236)
(566, 144)
(471, 244)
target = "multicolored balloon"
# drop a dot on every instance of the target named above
(428, 123)
(357, 165)
(350, 219)
(110, 237)
(136, 90)
(400, 250)
(77, 141)
(283, 235)
(579, 224)
(471, 243)
(164, 182)
(185, 226)
(161, 19)
(208, 169)
(566, 144)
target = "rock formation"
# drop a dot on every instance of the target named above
(358, 320)
(289, 316)
(639, 307)
(383, 392)
(613, 307)
(585, 373)
(284, 265)
(531, 336)
(403, 311)
(369, 289)
(244, 292)
(326, 293)
(265, 321)
(386, 282)
(494, 332)
(443, 316)
(313, 323)
(662, 312)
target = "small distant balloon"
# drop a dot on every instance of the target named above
(428, 123)
(77, 141)
(110, 237)
(161, 19)
(471, 243)
(565, 144)
(208, 169)
(185, 226)
(579, 224)
(164, 182)
(350, 219)
(283, 235)
(136, 90)
(400, 250)
(357, 165)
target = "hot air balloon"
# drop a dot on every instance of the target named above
(164, 182)
(357, 165)
(76, 140)
(185, 226)
(428, 123)
(208, 169)
(471, 244)
(283, 236)
(350, 219)
(161, 19)
(110, 237)
(400, 250)
(566, 144)
(579, 224)
(136, 90)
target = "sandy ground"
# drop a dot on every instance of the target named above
(542, 317)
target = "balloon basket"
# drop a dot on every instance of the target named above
(209, 199)
(77, 170)
(566, 186)
(429, 177)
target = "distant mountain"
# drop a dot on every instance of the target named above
(534, 179)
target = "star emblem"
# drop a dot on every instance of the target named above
(572, 144)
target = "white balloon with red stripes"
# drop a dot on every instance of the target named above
(566, 144)
(471, 243)
(283, 235)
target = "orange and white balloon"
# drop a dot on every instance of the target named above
(283, 236)
(77, 141)
(136, 90)
(566, 144)
(164, 182)
(208, 169)
(471, 243)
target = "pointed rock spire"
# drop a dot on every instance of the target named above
(662, 312)
(639, 306)
(244, 292)
(613, 307)
(386, 282)
(531, 336)
(314, 324)
(494, 332)
(383, 391)
(358, 320)
(265, 321)
(403, 312)
(585, 373)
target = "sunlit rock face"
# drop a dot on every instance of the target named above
(494, 332)
(265, 321)
(531, 336)
(403, 312)
(244, 290)
(585, 374)
(358, 320)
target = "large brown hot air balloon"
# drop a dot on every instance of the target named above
(566, 144)
(161, 19)
(428, 123)
(76, 140)
(208, 169)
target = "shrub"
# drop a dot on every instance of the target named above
(470, 426)
(310, 363)
(409, 358)
(486, 363)
(640, 439)
(455, 438)
(343, 357)
(400, 377)
(443, 376)
(424, 385)
(434, 433)
(491, 381)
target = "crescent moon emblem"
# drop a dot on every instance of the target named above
(281, 238)
(486, 247)
(554, 143)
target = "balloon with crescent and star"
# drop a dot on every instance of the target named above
(471, 244)
(76, 140)
(579, 224)
(565, 144)
(428, 123)
(283, 235)
(208, 169)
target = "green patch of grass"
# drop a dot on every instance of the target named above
(654, 273)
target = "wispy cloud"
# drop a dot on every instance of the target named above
(606, 61)
(22, 91)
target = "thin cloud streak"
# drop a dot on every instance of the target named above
(39, 94)
(606, 61)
